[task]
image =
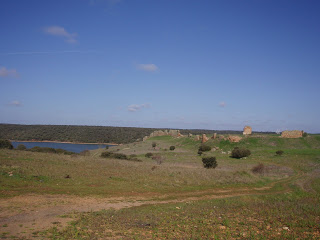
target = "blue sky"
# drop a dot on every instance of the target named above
(161, 63)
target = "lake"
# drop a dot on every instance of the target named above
(72, 147)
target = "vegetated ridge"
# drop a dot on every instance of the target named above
(86, 134)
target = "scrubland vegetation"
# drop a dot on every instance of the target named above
(84, 134)
(178, 195)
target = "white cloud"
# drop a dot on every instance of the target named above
(61, 32)
(15, 103)
(4, 72)
(136, 107)
(147, 67)
(222, 104)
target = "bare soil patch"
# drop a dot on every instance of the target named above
(23, 215)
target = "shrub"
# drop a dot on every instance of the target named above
(43, 149)
(106, 154)
(279, 152)
(50, 150)
(204, 148)
(258, 169)
(107, 147)
(133, 157)
(154, 144)
(199, 152)
(304, 134)
(5, 144)
(148, 155)
(209, 162)
(240, 152)
(21, 147)
(119, 156)
(172, 148)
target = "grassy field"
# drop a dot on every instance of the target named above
(171, 198)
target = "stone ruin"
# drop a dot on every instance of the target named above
(247, 130)
(214, 136)
(292, 134)
(234, 138)
(197, 138)
(173, 133)
(204, 138)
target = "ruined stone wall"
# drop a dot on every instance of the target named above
(234, 138)
(247, 130)
(292, 134)
(204, 138)
(173, 133)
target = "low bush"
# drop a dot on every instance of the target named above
(133, 157)
(21, 147)
(240, 152)
(121, 156)
(172, 148)
(148, 155)
(304, 134)
(279, 152)
(154, 144)
(5, 144)
(209, 162)
(106, 154)
(204, 148)
(43, 149)
(200, 152)
(50, 150)
(259, 169)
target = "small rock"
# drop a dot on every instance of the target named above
(222, 227)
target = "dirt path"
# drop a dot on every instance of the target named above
(22, 215)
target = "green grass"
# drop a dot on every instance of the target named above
(93, 175)
(285, 216)
(280, 203)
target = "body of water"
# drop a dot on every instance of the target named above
(77, 148)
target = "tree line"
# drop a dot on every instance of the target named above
(86, 134)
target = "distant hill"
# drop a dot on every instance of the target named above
(86, 134)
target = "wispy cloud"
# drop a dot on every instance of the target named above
(222, 104)
(4, 72)
(61, 32)
(150, 67)
(15, 103)
(136, 107)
